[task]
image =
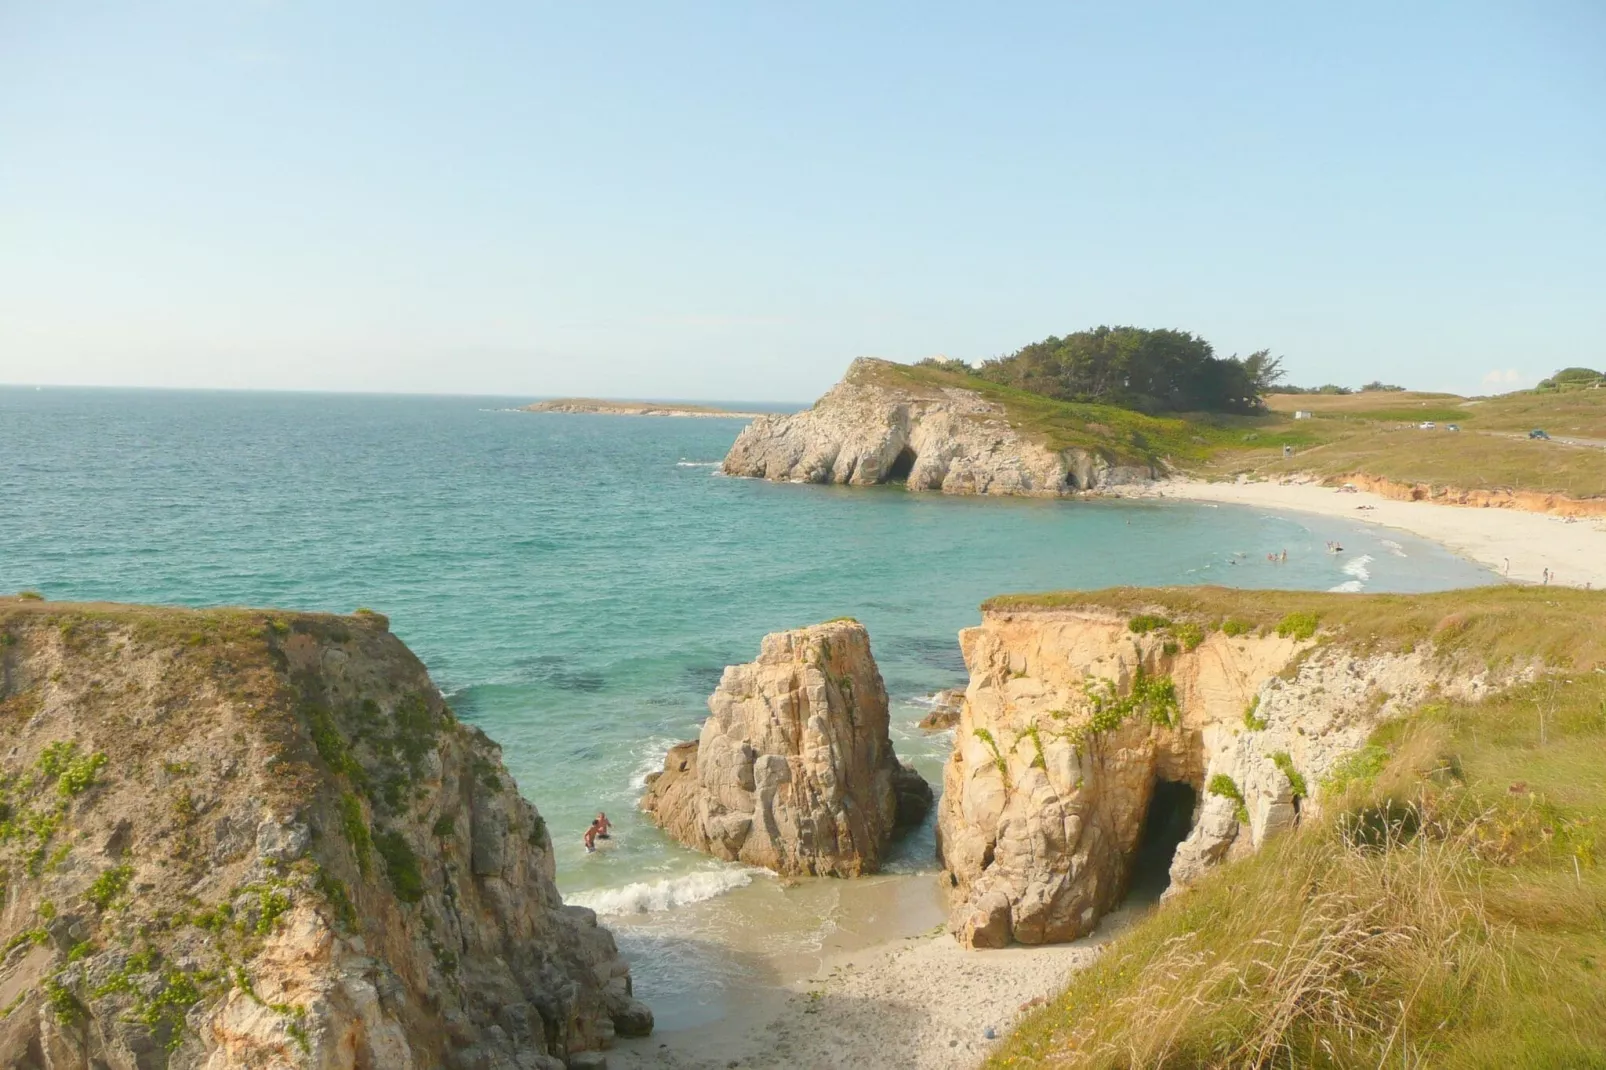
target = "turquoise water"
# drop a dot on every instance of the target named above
(576, 583)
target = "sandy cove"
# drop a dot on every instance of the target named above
(1516, 544)
(922, 1003)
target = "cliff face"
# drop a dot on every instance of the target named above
(1071, 723)
(247, 839)
(871, 429)
(793, 770)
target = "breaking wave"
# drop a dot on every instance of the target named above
(1360, 574)
(696, 464)
(646, 897)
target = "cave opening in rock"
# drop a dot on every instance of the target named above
(902, 465)
(1167, 823)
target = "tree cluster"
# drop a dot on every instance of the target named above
(1135, 368)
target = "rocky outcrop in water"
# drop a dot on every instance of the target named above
(880, 425)
(793, 770)
(945, 708)
(250, 839)
(1072, 723)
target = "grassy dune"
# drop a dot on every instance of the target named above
(1446, 909)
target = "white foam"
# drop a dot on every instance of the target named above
(1357, 568)
(652, 761)
(1393, 547)
(697, 464)
(645, 897)
(1348, 587)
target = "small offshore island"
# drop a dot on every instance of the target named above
(606, 407)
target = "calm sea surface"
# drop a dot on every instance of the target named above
(576, 583)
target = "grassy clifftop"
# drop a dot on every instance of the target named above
(1374, 434)
(1445, 907)
(1194, 441)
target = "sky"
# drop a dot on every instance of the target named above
(733, 200)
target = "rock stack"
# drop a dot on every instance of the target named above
(794, 770)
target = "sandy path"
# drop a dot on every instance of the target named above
(919, 1004)
(1516, 544)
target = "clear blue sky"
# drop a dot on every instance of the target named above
(734, 200)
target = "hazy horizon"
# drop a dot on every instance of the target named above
(730, 205)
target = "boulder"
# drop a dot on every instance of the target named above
(793, 770)
(945, 707)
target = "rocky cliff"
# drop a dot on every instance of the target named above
(883, 424)
(1078, 718)
(248, 839)
(793, 769)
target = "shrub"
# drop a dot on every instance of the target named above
(1252, 720)
(401, 865)
(1189, 634)
(1234, 627)
(1357, 768)
(356, 829)
(1297, 626)
(1296, 780)
(1223, 785)
(30, 596)
(1147, 622)
(109, 886)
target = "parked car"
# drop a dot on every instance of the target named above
(1536, 433)
(1427, 425)
(1452, 427)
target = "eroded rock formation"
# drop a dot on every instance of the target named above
(877, 426)
(1071, 721)
(793, 770)
(945, 707)
(249, 839)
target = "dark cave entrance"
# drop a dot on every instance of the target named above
(902, 465)
(1167, 824)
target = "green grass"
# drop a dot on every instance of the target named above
(1446, 909)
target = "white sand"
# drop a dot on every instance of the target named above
(923, 1003)
(1516, 544)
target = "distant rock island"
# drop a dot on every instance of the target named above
(636, 408)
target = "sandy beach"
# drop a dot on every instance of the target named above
(922, 1003)
(1516, 544)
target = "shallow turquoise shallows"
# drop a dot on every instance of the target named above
(576, 583)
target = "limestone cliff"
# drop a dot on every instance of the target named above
(882, 425)
(1072, 719)
(793, 770)
(249, 839)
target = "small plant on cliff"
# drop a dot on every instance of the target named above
(1144, 623)
(1252, 720)
(356, 828)
(30, 596)
(1223, 785)
(1297, 626)
(1358, 768)
(1233, 627)
(998, 759)
(109, 886)
(1153, 696)
(1296, 780)
(1189, 634)
(1039, 760)
(401, 865)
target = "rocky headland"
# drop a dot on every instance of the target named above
(605, 407)
(1085, 726)
(793, 770)
(254, 839)
(884, 424)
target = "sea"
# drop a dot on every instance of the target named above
(577, 583)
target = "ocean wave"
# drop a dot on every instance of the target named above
(1357, 568)
(1393, 547)
(653, 753)
(697, 464)
(1348, 587)
(646, 897)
